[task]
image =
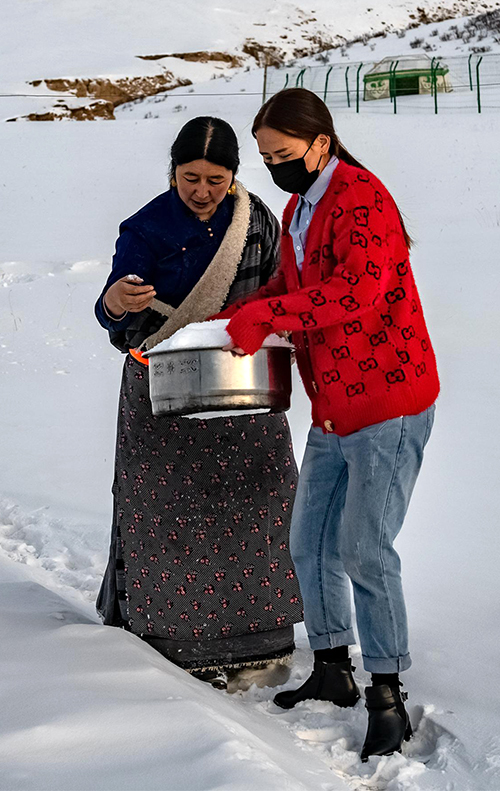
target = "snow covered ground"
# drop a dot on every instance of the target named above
(88, 708)
(67, 726)
(85, 708)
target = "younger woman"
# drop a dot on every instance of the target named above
(346, 291)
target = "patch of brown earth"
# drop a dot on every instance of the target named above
(199, 57)
(91, 112)
(274, 56)
(270, 55)
(427, 17)
(109, 94)
(317, 44)
(120, 90)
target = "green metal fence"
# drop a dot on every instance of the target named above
(457, 83)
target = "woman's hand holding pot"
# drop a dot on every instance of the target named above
(231, 347)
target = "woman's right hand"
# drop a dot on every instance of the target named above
(127, 295)
(231, 347)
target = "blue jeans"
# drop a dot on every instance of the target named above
(352, 497)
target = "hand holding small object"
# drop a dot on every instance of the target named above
(128, 295)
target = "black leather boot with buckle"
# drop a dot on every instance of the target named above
(388, 721)
(331, 681)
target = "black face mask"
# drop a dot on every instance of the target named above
(293, 176)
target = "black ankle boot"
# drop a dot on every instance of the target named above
(388, 721)
(331, 681)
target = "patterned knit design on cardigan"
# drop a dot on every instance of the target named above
(363, 348)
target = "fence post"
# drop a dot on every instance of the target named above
(478, 85)
(470, 71)
(300, 78)
(394, 90)
(434, 82)
(390, 82)
(357, 86)
(326, 83)
(264, 89)
(432, 75)
(347, 86)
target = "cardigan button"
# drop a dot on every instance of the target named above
(328, 425)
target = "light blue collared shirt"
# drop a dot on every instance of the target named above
(305, 209)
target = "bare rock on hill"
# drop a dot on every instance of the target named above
(199, 57)
(106, 93)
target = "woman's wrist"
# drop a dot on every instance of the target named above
(113, 311)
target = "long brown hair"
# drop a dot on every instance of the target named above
(300, 113)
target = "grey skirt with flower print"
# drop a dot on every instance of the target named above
(199, 562)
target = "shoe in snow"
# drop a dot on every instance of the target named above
(332, 681)
(388, 721)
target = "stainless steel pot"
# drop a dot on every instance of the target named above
(211, 380)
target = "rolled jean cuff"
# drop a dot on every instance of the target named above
(386, 664)
(321, 641)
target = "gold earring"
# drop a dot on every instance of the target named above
(232, 190)
(173, 182)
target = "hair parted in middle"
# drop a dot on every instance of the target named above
(206, 137)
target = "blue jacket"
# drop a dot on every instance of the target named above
(168, 246)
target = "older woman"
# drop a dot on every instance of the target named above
(199, 563)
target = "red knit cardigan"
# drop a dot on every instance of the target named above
(363, 349)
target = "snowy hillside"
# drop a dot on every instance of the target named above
(61, 39)
(46, 47)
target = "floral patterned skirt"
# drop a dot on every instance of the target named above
(199, 562)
